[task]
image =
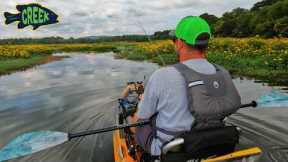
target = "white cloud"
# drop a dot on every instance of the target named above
(114, 17)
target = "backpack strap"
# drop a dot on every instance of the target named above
(192, 78)
(164, 131)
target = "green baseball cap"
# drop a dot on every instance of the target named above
(193, 30)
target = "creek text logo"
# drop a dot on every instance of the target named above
(31, 14)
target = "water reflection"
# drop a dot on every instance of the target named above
(250, 89)
(76, 93)
(78, 69)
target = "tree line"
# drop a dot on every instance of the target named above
(267, 18)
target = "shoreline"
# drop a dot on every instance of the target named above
(263, 59)
(19, 64)
(273, 78)
(256, 64)
(44, 59)
(21, 57)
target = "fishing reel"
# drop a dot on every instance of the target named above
(138, 82)
(140, 89)
(139, 86)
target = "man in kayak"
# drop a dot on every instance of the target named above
(168, 93)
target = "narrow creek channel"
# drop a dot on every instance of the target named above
(78, 93)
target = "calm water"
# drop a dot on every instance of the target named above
(77, 93)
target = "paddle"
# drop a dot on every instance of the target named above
(273, 99)
(251, 104)
(236, 154)
(32, 142)
(91, 132)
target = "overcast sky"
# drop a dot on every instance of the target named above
(114, 17)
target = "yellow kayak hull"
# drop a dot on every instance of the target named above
(121, 153)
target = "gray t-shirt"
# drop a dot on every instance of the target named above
(165, 93)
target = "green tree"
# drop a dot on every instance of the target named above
(281, 27)
(211, 19)
(262, 4)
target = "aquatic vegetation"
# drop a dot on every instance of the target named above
(9, 51)
(246, 56)
(26, 51)
(273, 52)
(18, 57)
(14, 64)
(264, 58)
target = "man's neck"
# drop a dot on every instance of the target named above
(191, 56)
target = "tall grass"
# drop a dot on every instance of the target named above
(26, 51)
(18, 57)
(265, 58)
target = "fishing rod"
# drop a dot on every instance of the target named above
(150, 41)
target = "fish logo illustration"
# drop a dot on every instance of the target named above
(31, 14)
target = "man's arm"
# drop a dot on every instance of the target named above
(148, 101)
(148, 104)
(125, 92)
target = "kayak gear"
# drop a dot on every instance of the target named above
(131, 98)
(137, 88)
(210, 142)
(145, 135)
(193, 145)
(211, 97)
(132, 93)
(138, 146)
(129, 107)
(193, 30)
(216, 94)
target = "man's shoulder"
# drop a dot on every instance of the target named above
(221, 68)
(166, 76)
(164, 72)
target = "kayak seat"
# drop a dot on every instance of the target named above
(201, 144)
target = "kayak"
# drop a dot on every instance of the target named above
(126, 150)
(124, 146)
(121, 151)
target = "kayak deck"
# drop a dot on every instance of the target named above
(120, 148)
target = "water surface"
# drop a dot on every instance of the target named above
(78, 93)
